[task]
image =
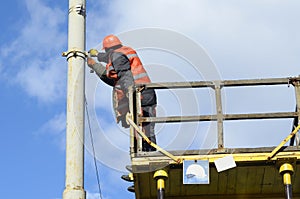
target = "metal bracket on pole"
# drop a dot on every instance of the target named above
(75, 53)
(79, 9)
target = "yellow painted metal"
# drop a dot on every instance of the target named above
(141, 133)
(161, 183)
(212, 158)
(254, 177)
(241, 157)
(283, 142)
(287, 167)
(130, 175)
(160, 174)
(286, 170)
(237, 157)
(256, 174)
(247, 180)
(287, 178)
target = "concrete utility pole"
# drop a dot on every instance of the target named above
(74, 185)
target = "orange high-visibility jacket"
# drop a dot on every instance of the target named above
(138, 72)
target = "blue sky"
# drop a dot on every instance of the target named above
(242, 39)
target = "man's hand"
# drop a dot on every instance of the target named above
(90, 62)
(93, 52)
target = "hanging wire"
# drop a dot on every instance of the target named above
(93, 147)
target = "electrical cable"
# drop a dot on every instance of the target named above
(93, 147)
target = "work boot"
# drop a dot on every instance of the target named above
(128, 178)
(147, 147)
(152, 148)
(131, 189)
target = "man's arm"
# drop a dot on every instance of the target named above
(100, 71)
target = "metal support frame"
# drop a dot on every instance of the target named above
(138, 115)
(218, 95)
(296, 84)
(131, 131)
(297, 93)
(220, 117)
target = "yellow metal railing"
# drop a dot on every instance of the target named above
(136, 119)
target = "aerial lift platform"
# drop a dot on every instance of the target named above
(265, 172)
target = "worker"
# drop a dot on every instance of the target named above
(123, 70)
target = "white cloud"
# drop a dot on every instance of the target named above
(44, 80)
(55, 128)
(246, 39)
(34, 56)
(55, 125)
(90, 195)
(41, 35)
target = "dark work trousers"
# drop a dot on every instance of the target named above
(148, 127)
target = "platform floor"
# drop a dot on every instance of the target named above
(255, 176)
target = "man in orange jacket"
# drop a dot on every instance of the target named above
(123, 70)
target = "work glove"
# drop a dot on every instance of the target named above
(93, 52)
(91, 62)
(97, 67)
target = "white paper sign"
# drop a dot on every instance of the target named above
(225, 163)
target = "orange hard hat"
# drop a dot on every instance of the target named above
(110, 41)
